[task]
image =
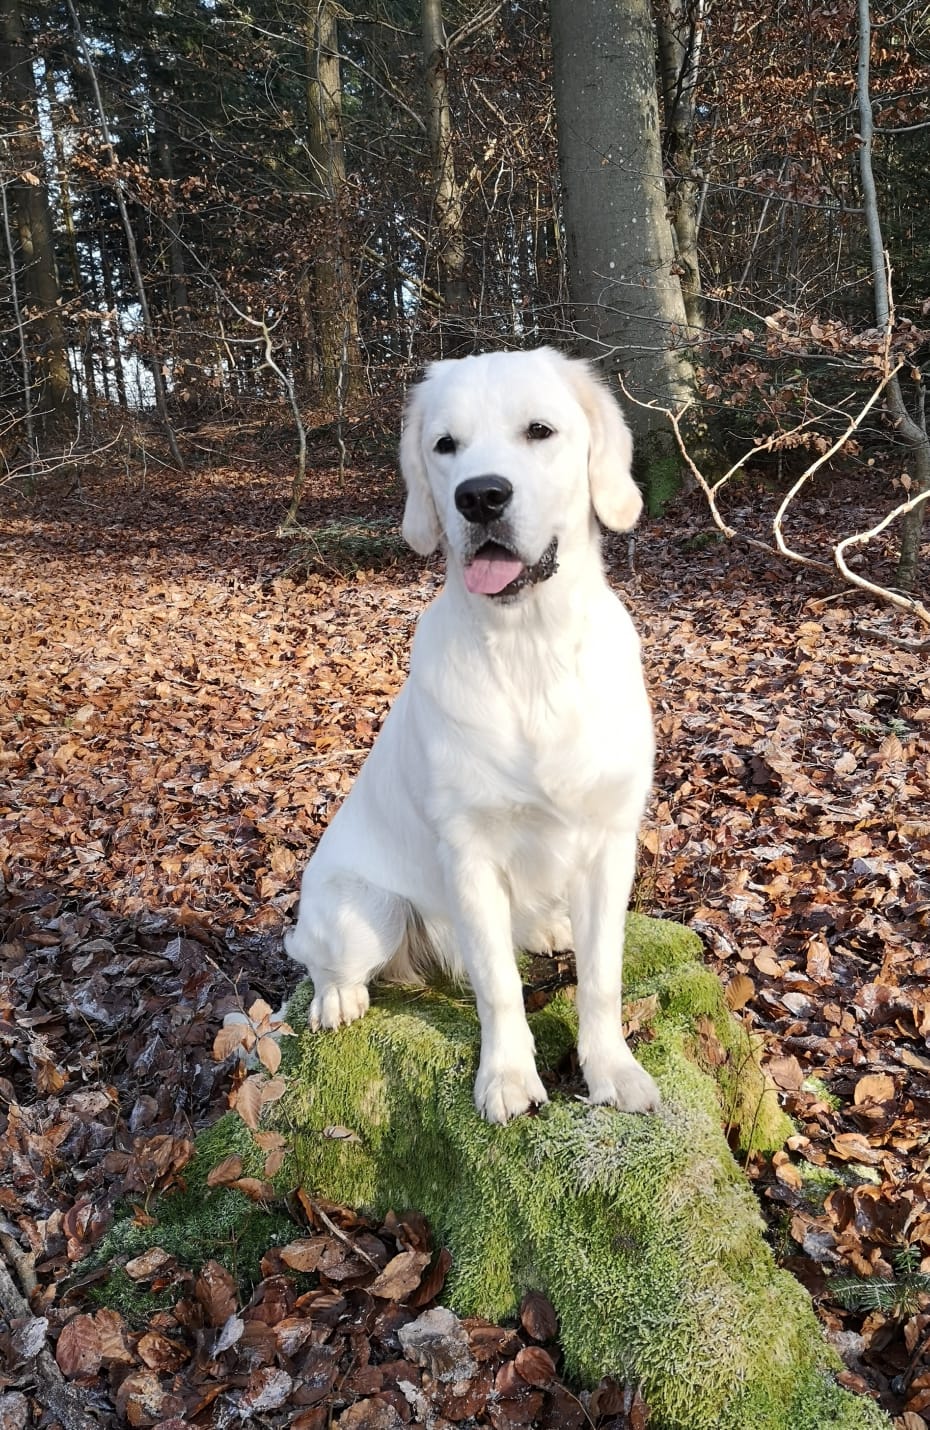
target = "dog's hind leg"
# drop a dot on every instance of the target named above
(347, 931)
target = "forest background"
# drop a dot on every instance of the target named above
(274, 218)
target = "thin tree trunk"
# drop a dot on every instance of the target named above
(180, 298)
(25, 365)
(32, 216)
(680, 25)
(448, 202)
(67, 214)
(913, 434)
(109, 293)
(336, 301)
(161, 398)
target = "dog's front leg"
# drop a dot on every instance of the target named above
(598, 899)
(507, 1082)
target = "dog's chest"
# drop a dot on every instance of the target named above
(543, 725)
(565, 752)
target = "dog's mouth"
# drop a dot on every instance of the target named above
(496, 571)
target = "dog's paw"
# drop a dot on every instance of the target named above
(334, 1007)
(623, 1084)
(506, 1092)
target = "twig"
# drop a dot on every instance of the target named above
(55, 1395)
(346, 1240)
(907, 603)
(287, 382)
(808, 472)
(710, 491)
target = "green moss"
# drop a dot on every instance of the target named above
(642, 1230)
(658, 469)
(819, 1088)
(133, 1299)
(197, 1223)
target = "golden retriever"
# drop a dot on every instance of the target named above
(500, 804)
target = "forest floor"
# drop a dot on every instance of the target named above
(186, 697)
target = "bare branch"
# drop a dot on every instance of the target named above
(287, 382)
(831, 451)
(907, 603)
(710, 492)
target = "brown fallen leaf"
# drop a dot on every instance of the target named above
(739, 990)
(535, 1366)
(306, 1254)
(874, 1087)
(215, 1289)
(401, 1276)
(255, 1189)
(151, 1263)
(373, 1414)
(225, 1172)
(158, 1352)
(785, 1072)
(115, 1348)
(269, 1053)
(537, 1317)
(246, 1100)
(268, 1388)
(853, 1147)
(79, 1351)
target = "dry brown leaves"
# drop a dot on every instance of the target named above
(178, 720)
(359, 1347)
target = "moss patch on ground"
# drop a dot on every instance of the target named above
(642, 1231)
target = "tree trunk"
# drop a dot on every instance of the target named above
(626, 295)
(54, 404)
(164, 148)
(67, 214)
(913, 434)
(336, 301)
(161, 397)
(680, 25)
(447, 196)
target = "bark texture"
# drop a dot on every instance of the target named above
(447, 195)
(626, 294)
(52, 402)
(334, 295)
(680, 25)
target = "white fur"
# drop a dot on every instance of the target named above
(501, 801)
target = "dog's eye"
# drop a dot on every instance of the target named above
(538, 431)
(445, 446)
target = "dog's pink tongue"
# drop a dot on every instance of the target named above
(486, 575)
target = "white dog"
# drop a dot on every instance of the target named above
(500, 804)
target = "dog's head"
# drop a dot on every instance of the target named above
(505, 455)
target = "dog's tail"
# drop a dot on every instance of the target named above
(427, 943)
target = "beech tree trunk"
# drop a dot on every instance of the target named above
(52, 402)
(680, 27)
(335, 298)
(912, 433)
(625, 291)
(158, 381)
(447, 196)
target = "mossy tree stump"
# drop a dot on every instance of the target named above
(641, 1230)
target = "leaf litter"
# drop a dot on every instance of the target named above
(179, 720)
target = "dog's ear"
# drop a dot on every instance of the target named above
(421, 528)
(614, 495)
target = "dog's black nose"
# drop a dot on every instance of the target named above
(483, 499)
